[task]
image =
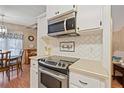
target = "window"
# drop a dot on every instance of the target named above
(12, 42)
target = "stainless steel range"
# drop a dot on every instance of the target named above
(53, 71)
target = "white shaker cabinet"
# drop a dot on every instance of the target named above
(89, 17)
(34, 74)
(42, 25)
(54, 10)
(84, 81)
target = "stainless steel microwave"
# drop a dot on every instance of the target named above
(64, 24)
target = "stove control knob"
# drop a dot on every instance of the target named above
(43, 60)
(63, 65)
(59, 64)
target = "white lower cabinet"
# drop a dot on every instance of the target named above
(73, 86)
(84, 81)
(34, 74)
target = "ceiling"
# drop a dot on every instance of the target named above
(21, 14)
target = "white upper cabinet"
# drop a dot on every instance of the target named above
(42, 26)
(89, 17)
(54, 10)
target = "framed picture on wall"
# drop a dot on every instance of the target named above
(68, 46)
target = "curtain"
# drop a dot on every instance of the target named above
(12, 42)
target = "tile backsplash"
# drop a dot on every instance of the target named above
(87, 46)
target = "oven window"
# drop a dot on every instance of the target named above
(49, 81)
(56, 27)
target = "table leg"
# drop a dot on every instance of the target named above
(123, 80)
(113, 73)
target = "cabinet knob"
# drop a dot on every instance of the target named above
(56, 12)
(78, 28)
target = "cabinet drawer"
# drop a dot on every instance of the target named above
(33, 78)
(72, 86)
(34, 64)
(84, 81)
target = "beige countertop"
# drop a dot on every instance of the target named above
(37, 57)
(89, 67)
(82, 66)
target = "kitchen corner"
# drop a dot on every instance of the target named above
(60, 68)
(89, 70)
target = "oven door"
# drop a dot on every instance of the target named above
(51, 79)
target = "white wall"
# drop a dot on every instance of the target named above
(87, 46)
(26, 32)
(118, 27)
(118, 17)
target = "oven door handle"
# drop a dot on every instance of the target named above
(65, 25)
(51, 74)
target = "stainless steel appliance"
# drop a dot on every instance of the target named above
(64, 24)
(53, 71)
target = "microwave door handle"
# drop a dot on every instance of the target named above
(51, 74)
(65, 25)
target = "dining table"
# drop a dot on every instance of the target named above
(12, 57)
(119, 68)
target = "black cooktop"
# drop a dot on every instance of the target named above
(59, 63)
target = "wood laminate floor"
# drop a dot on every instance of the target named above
(22, 81)
(115, 84)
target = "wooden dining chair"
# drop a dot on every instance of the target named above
(20, 59)
(16, 62)
(5, 62)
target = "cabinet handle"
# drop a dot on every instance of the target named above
(83, 83)
(33, 64)
(73, 6)
(100, 23)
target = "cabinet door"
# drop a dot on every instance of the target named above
(42, 27)
(88, 16)
(65, 8)
(33, 78)
(83, 81)
(72, 86)
(54, 10)
(34, 64)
